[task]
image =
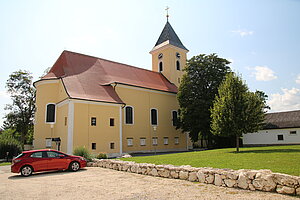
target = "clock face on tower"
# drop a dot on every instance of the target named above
(160, 56)
(177, 55)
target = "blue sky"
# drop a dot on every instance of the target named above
(261, 38)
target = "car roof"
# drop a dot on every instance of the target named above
(38, 150)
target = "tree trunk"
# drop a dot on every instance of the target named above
(237, 143)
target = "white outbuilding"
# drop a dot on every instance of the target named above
(280, 128)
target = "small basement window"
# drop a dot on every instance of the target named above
(176, 140)
(280, 137)
(143, 141)
(293, 132)
(129, 142)
(94, 146)
(112, 145)
(166, 140)
(154, 141)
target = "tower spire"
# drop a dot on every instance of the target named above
(167, 9)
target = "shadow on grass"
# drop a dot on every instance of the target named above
(268, 151)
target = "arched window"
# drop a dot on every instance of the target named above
(174, 118)
(50, 113)
(154, 117)
(177, 65)
(128, 115)
(160, 66)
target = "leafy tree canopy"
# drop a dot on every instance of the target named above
(20, 118)
(236, 110)
(197, 90)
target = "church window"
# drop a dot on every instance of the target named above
(128, 115)
(178, 65)
(160, 66)
(112, 122)
(174, 117)
(93, 121)
(154, 117)
(66, 121)
(177, 55)
(93, 146)
(280, 137)
(50, 113)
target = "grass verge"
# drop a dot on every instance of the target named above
(282, 159)
(5, 163)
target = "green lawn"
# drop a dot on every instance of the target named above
(5, 163)
(283, 159)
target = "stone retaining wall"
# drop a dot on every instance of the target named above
(263, 180)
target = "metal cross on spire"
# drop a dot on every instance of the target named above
(167, 9)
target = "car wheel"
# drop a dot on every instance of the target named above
(26, 170)
(74, 166)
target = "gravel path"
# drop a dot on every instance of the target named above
(100, 183)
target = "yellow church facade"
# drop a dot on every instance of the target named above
(111, 107)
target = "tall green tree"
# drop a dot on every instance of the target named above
(197, 90)
(20, 118)
(236, 110)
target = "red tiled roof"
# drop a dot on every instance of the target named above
(90, 78)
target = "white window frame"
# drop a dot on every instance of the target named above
(156, 117)
(176, 140)
(166, 140)
(143, 141)
(132, 115)
(154, 141)
(55, 110)
(129, 142)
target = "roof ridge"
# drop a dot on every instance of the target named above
(279, 112)
(67, 51)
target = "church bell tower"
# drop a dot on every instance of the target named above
(169, 55)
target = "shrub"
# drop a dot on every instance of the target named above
(82, 151)
(9, 144)
(101, 156)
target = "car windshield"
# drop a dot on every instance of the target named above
(20, 155)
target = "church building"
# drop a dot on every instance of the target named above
(111, 107)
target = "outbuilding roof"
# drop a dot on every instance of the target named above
(290, 119)
(91, 78)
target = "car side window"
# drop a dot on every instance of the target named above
(37, 155)
(52, 154)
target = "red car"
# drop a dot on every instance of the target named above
(45, 160)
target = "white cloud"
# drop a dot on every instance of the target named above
(243, 33)
(298, 79)
(289, 100)
(263, 73)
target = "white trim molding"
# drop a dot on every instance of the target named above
(42, 82)
(94, 102)
(121, 131)
(70, 127)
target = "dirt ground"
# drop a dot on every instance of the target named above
(99, 183)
